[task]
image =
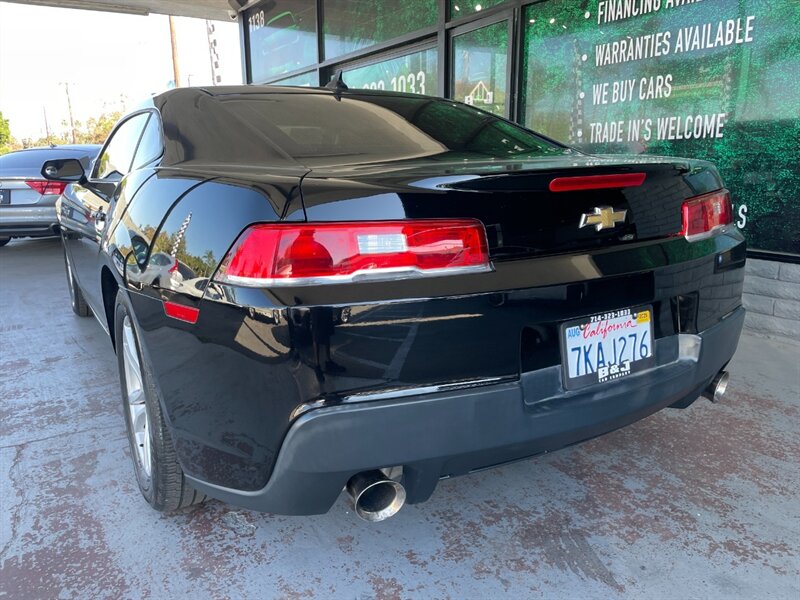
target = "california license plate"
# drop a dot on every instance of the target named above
(5, 196)
(607, 346)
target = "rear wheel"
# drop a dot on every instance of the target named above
(158, 472)
(79, 306)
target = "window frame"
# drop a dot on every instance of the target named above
(244, 40)
(440, 35)
(409, 38)
(377, 58)
(475, 25)
(107, 143)
(155, 116)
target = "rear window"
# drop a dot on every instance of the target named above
(317, 128)
(322, 129)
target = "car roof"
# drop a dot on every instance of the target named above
(250, 89)
(88, 147)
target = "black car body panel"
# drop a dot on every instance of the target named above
(269, 378)
(471, 428)
(263, 351)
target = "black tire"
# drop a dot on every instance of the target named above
(165, 487)
(79, 305)
(4, 241)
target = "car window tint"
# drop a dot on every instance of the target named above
(150, 144)
(140, 248)
(115, 161)
(319, 129)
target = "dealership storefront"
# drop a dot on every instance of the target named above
(714, 79)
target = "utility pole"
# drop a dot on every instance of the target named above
(174, 41)
(213, 56)
(46, 126)
(69, 107)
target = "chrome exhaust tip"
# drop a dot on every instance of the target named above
(375, 496)
(718, 386)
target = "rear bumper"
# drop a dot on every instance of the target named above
(452, 433)
(33, 221)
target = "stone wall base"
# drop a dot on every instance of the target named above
(772, 297)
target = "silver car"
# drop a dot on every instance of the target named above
(28, 200)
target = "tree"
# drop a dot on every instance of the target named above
(5, 130)
(6, 141)
(96, 129)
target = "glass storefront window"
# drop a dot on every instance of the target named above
(350, 25)
(302, 80)
(480, 68)
(714, 80)
(463, 8)
(415, 73)
(282, 37)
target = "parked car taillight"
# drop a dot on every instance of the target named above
(705, 215)
(315, 253)
(45, 187)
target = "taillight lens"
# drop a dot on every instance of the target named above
(45, 187)
(312, 253)
(705, 215)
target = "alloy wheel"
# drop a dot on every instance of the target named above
(134, 387)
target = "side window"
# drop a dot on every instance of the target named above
(140, 248)
(160, 259)
(150, 145)
(116, 159)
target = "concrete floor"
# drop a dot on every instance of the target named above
(702, 503)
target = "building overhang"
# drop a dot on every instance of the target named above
(221, 10)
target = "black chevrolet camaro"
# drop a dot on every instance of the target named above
(317, 289)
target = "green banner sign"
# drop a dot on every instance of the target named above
(712, 79)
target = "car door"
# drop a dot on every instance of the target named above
(90, 205)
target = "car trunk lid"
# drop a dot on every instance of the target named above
(524, 212)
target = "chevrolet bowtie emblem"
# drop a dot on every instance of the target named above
(603, 217)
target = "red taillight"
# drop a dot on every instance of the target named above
(181, 312)
(311, 253)
(704, 215)
(45, 187)
(596, 182)
(174, 267)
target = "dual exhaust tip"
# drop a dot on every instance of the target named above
(375, 496)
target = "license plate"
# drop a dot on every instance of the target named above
(607, 346)
(5, 196)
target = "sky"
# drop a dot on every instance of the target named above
(111, 62)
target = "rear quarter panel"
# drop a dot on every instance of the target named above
(211, 412)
